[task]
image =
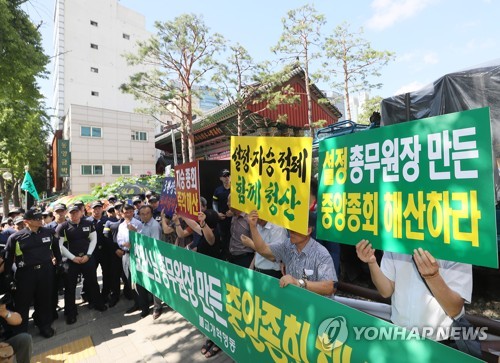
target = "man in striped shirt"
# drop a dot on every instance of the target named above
(308, 264)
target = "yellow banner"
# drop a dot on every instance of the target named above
(272, 175)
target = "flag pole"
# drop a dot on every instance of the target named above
(26, 168)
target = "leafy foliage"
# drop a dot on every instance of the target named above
(355, 62)
(24, 126)
(300, 43)
(150, 182)
(176, 59)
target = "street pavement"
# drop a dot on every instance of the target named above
(121, 338)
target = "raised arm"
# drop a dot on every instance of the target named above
(366, 254)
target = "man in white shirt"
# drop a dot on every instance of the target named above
(122, 239)
(270, 234)
(413, 305)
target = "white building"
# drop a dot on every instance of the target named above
(105, 134)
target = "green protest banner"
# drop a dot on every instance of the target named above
(426, 183)
(254, 320)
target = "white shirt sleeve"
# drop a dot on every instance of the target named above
(64, 251)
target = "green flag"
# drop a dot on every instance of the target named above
(29, 186)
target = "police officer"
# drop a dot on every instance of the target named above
(81, 239)
(60, 217)
(33, 250)
(115, 257)
(101, 251)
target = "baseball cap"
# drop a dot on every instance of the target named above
(112, 196)
(78, 203)
(136, 200)
(225, 172)
(153, 199)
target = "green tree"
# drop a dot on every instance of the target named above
(23, 59)
(176, 60)
(243, 82)
(27, 129)
(23, 124)
(355, 62)
(369, 107)
(301, 43)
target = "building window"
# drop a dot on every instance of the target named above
(126, 36)
(139, 136)
(93, 23)
(94, 93)
(91, 169)
(120, 169)
(90, 131)
(94, 70)
(94, 46)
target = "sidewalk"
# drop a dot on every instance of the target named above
(119, 338)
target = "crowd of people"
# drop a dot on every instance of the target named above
(48, 251)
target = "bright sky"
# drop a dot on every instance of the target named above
(430, 37)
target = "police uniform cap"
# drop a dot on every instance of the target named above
(18, 219)
(153, 199)
(136, 200)
(110, 208)
(96, 204)
(118, 204)
(111, 197)
(6, 220)
(78, 203)
(60, 206)
(225, 172)
(149, 193)
(33, 214)
(73, 208)
(15, 211)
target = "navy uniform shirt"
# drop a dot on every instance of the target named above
(76, 236)
(99, 228)
(30, 248)
(110, 232)
(220, 196)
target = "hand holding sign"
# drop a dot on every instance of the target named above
(365, 252)
(426, 264)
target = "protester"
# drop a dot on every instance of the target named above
(150, 228)
(210, 245)
(130, 223)
(308, 264)
(332, 247)
(271, 234)
(32, 250)
(401, 277)
(239, 254)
